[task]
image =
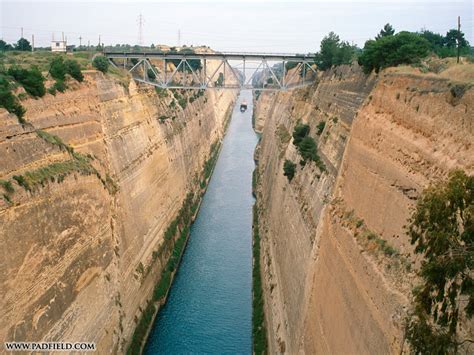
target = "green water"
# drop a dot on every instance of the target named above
(209, 308)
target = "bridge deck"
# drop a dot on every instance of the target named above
(216, 56)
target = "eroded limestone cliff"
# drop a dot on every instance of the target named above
(82, 235)
(337, 265)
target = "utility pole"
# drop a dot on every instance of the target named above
(88, 44)
(32, 43)
(99, 42)
(22, 32)
(62, 36)
(140, 22)
(80, 41)
(459, 36)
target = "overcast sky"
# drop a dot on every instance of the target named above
(266, 26)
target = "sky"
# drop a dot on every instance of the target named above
(251, 26)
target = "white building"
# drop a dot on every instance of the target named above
(58, 46)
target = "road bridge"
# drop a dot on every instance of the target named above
(218, 70)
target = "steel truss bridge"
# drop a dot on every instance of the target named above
(254, 71)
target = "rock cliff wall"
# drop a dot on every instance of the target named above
(336, 263)
(81, 240)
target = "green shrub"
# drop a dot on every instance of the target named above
(162, 287)
(151, 74)
(101, 63)
(220, 80)
(183, 102)
(74, 69)
(60, 86)
(57, 68)
(9, 101)
(32, 80)
(259, 332)
(162, 118)
(21, 181)
(458, 90)
(55, 140)
(306, 146)
(161, 92)
(52, 90)
(7, 186)
(308, 149)
(141, 329)
(290, 65)
(289, 169)
(320, 127)
(53, 172)
(300, 131)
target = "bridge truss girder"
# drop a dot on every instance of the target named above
(233, 76)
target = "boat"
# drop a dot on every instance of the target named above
(243, 106)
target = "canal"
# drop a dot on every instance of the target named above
(209, 308)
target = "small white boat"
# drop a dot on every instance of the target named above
(243, 106)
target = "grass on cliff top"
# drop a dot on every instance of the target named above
(42, 59)
(445, 68)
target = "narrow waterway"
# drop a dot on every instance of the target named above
(209, 308)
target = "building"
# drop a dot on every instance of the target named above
(58, 46)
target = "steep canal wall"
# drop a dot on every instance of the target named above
(336, 264)
(105, 177)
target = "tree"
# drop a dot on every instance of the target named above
(388, 51)
(446, 46)
(23, 45)
(442, 229)
(101, 63)
(387, 30)
(4, 46)
(195, 64)
(334, 52)
(451, 39)
(327, 53)
(436, 40)
(289, 169)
